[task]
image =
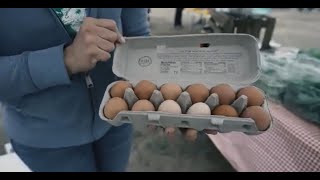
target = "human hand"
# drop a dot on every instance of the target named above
(189, 134)
(94, 42)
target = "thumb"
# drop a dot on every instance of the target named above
(120, 39)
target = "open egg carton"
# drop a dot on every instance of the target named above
(186, 60)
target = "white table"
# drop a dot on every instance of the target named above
(12, 163)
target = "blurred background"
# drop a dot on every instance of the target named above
(289, 40)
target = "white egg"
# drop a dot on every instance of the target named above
(199, 109)
(170, 106)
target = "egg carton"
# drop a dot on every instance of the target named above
(231, 58)
(223, 124)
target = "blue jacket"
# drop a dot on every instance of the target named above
(43, 106)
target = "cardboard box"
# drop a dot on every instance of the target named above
(209, 59)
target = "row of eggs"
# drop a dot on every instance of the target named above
(198, 93)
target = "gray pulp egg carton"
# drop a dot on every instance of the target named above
(209, 59)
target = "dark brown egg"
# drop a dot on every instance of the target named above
(259, 115)
(225, 92)
(118, 89)
(255, 96)
(225, 110)
(198, 93)
(144, 89)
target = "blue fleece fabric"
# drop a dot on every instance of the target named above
(108, 154)
(43, 106)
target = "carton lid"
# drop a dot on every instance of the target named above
(186, 59)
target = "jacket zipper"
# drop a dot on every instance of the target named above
(86, 75)
(88, 81)
(90, 87)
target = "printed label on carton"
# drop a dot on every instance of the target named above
(197, 61)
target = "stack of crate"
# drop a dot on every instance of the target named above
(253, 24)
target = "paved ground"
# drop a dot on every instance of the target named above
(297, 29)
(156, 153)
(153, 152)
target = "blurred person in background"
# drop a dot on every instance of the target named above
(305, 9)
(178, 18)
(149, 11)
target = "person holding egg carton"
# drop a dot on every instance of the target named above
(55, 64)
(54, 69)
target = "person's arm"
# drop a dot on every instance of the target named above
(31, 72)
(135, 22)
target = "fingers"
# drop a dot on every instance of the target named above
(152, 128)
(109, 25)
(104, 44)
(94, 61)
(102, 33)
(121, 39)
(106, 34)
(213, 132)
(99, 54)
(94, 42)
(191, 135)
(170, 132)
(91, 24)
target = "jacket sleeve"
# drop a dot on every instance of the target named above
(135, 22)
(30, 72)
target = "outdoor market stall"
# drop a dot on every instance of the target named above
(291, 81)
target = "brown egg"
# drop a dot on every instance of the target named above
(170, 91)
(143, 105)
(118, 89)
(225, 92)
(144, 89)
(198, 93)
(225, 110)
(114, 106)
(255, 96)
(259, 115)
